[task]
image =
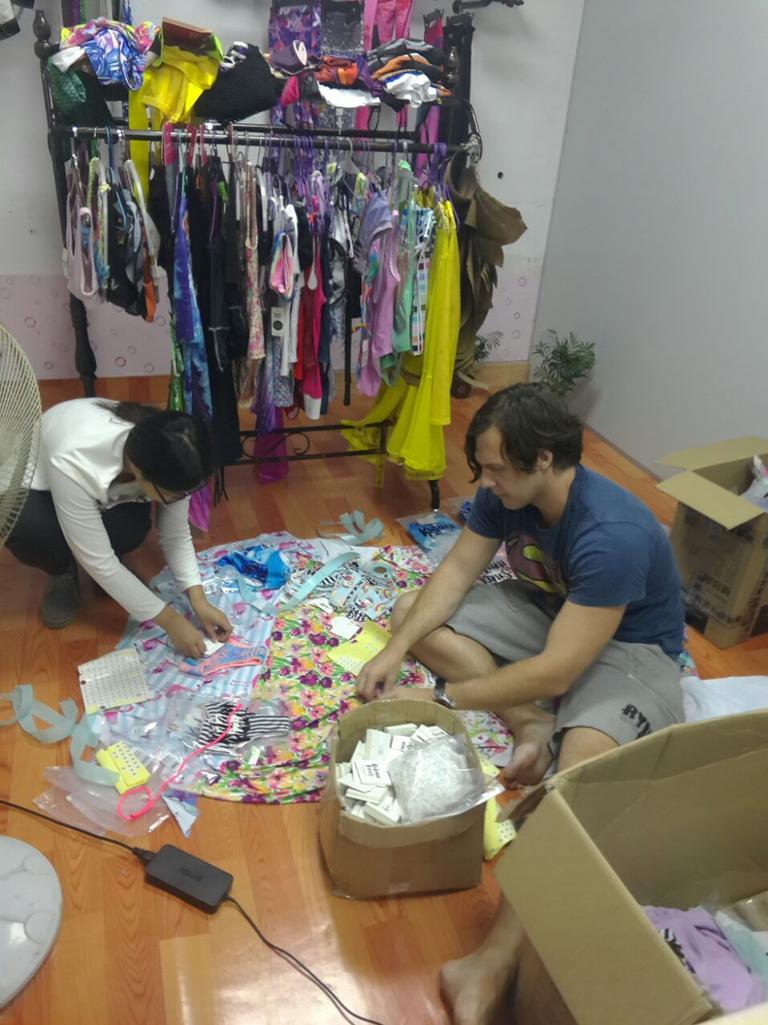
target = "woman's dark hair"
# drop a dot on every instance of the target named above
(531, 419)
(173, 450)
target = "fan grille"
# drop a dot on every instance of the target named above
(20, 413)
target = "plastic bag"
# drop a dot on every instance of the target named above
(191, 719)
(435, 533)
(436, 778)
(752, 911)
(98, 803)
(460, 508)
(757, 492)
(197, 719)
(749, 944)
(56, 803)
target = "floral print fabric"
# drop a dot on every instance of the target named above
(295, 670)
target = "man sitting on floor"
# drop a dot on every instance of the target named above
(577, 655)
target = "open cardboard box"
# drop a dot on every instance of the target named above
(537, 1001)
(720, 540)
(679, 818)
(368, 860)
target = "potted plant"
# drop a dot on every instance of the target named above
(561, 362)
(485, 344)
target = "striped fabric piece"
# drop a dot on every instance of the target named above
(425, 244)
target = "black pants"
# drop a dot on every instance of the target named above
(37, 540)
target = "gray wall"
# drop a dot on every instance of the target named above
(658, 245)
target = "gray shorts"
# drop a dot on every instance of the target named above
(630, 690)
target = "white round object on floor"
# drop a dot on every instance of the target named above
(30, 913)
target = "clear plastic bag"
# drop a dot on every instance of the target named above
(98, 804)
(260, 727)
(197, 719)
(436, 778)
(56, 803)
(752, 911)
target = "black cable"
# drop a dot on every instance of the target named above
(145, 855)
(140, 853)
(300, 967)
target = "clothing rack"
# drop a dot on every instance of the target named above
(284, 138)
(269, 136)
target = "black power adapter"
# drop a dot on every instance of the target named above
(202, 885)
(187, 877)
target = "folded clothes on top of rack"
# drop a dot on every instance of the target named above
(411, 49)
(181, 71)
(407, 72)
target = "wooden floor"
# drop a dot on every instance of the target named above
(131, 955)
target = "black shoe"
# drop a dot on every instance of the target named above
(460, 389)
(61, 599)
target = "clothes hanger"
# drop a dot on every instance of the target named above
(347, 164)
(113, 179)
(241, 163)
(191, 142)
(79, 160)
(230, 143)
(169, 147)
(401, 189)
(125, 195)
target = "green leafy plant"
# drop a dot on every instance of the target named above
(562, 361)
(485, 344)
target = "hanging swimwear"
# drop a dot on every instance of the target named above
(380, 310)
(79, 247)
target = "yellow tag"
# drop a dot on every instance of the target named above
(121, 758)
(352, 655)
(496, 835)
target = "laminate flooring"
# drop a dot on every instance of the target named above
(129, 954)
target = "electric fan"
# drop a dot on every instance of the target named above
(30, 895)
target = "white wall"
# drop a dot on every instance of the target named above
(522, 66)
(657, 249)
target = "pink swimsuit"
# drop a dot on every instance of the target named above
(381, 312)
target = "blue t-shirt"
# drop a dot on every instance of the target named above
(608, 549)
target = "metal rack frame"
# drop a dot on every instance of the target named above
(273, 136)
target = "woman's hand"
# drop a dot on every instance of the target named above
(213, 621)
(185, 637)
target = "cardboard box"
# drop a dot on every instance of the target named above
(536, 1001)
(676, 819)
(720, 540)
(368, 860)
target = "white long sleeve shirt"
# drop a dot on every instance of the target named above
(81, 453)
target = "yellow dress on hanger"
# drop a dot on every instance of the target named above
(420, 400)
(171, 88)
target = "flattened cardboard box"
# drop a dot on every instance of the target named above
(677, 819)
(367, 860)
(720, 540)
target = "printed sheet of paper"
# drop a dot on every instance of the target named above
(113, 681)
(352, 655)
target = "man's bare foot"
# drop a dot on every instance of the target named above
(474, 986)
(531, 756)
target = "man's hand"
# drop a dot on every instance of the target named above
(410, 694)
(212, 620)
(378, 677)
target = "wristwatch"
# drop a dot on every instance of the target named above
(439, 694)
